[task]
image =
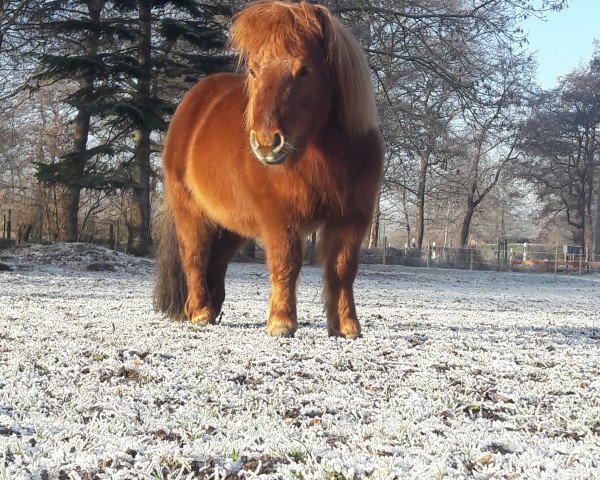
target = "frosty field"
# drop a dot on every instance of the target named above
(458, 375)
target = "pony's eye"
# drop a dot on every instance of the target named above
(252, 72)
(303, 71)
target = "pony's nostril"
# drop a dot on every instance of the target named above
(278, 142)
(253, 140)
(262, 149)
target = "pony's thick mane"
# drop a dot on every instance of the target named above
(284, 28)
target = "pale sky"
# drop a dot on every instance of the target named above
(564, 40)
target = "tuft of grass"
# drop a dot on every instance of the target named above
(296, 456)
(335, 476)
(235, 455)
(127, 373)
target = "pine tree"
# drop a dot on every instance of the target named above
(76, 34)
(175, 43)
(131, 61)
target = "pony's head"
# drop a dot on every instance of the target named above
(304, 71)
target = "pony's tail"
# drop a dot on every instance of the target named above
(170, 288)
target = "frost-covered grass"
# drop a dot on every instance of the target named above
(458, 375)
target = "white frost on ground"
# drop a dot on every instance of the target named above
(458, 375)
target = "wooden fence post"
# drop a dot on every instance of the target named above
(111, 236)
(502, 254)
(555, 264)
(9, 224)
(498, 259)
(41, 231)
(117, 236)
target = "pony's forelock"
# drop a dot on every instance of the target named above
(284, 28)
(277, 26)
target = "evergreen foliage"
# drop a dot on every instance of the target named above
(94, 46)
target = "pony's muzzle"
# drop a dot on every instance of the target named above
(270, 152)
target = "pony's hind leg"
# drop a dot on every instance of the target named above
(339, 250)
(225, 245)
(194, 237)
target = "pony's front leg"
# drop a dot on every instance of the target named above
(284, 259)
(339, 250)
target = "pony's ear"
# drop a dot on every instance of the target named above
(327, 28)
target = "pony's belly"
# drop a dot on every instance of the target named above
(221, 207)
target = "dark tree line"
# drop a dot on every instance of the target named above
(89, 87)
(453, 81)
(124, 66)
(563, 147)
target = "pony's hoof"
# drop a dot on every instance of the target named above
(203, 317)
(351, 335)
(350, 331)
(281, 324)
(281, 329)
(281, 332)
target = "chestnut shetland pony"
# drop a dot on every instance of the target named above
(290, 147)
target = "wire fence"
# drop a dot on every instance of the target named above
(503, 256)
(532, 258)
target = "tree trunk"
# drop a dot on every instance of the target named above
(590, 170)
(140, 211)
(250, 249)
(575, 222)
(580, 235)
(311, 253)
(406, 217)
(2, 12)
(589, 218)
(596, 241)
(70, 200)
(466, 226)
(140, 172)
(420, 204)
(76, 161)
(447, 226)
(374, 230)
